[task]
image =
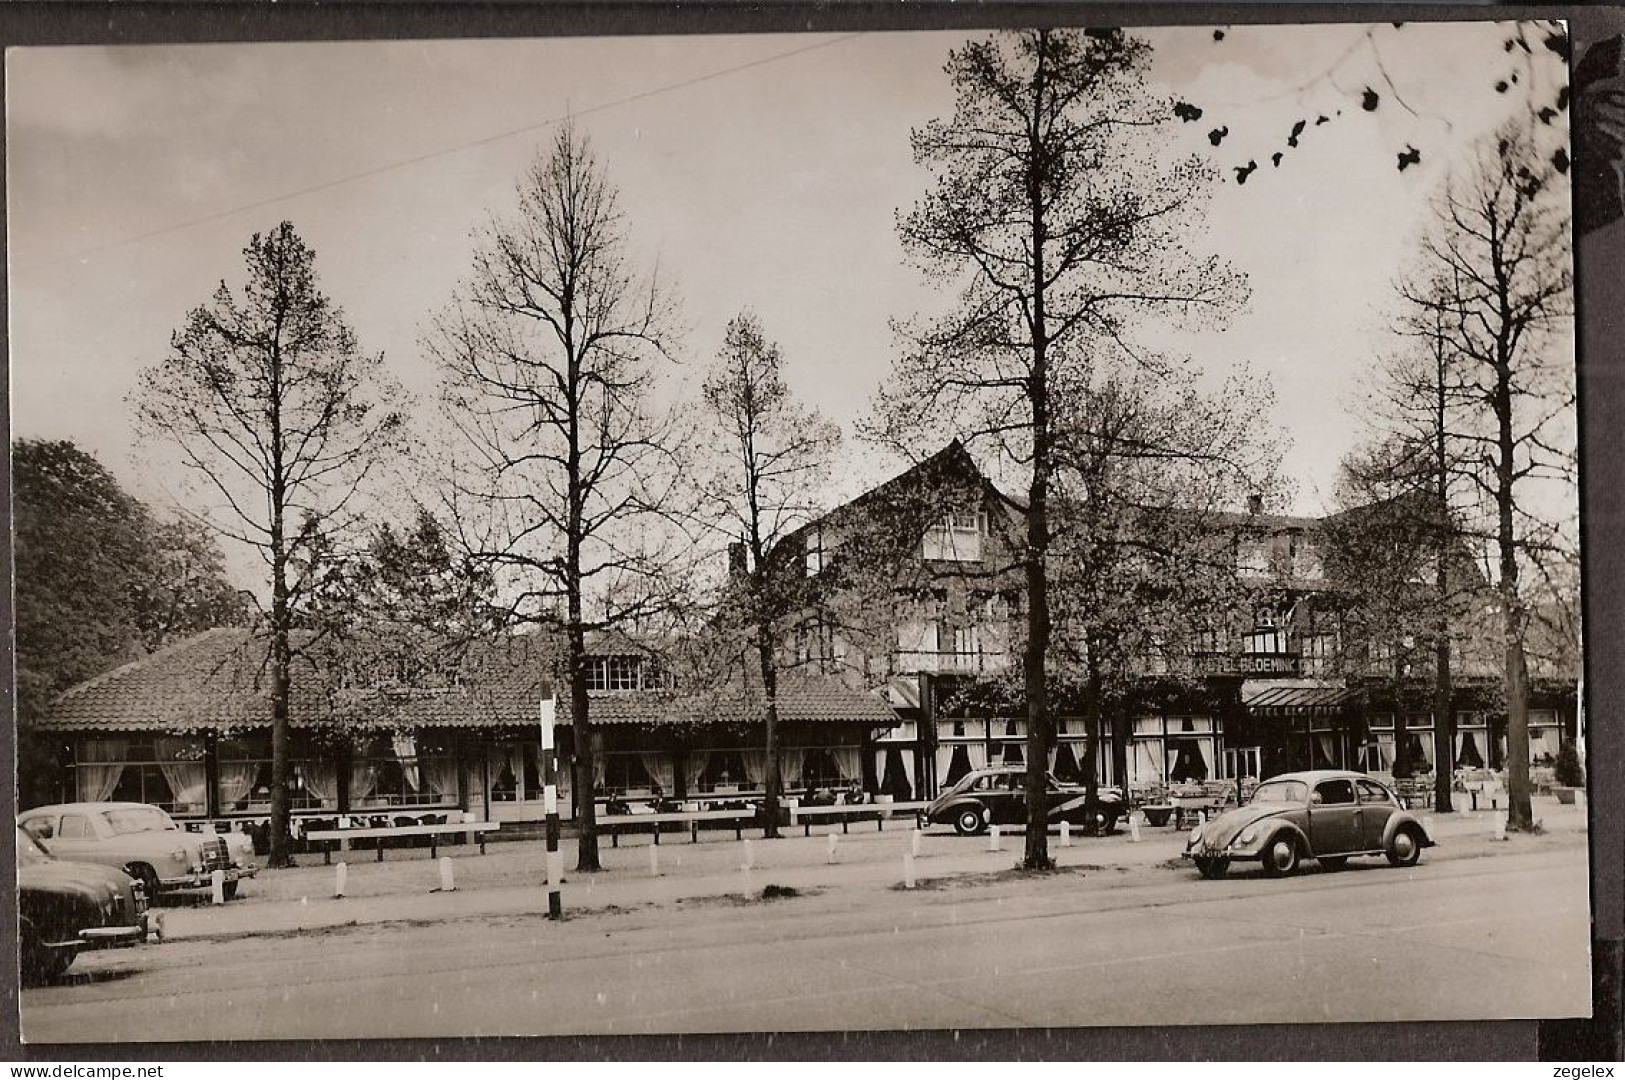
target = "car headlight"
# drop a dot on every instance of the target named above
(1248, 835)
(1196, 835)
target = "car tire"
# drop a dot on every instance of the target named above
(1333, 862)
(1212, 869)
(1405, 847)
(147, 876)
(1098, 822)
(970, 821)
(1281, 855)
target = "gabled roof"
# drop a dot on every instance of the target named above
(218, 679)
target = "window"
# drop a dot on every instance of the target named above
(166, 772)
(75, 827)
(1318, 650)
(958, 538)
(1372, 793)
(1335, 792)
(620, 673)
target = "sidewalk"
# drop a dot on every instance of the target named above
(510, 881)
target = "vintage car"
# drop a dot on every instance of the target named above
(139, 839)
(65, 907)
(1328, 816)
(997, 795)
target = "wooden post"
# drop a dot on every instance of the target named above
(550, 804)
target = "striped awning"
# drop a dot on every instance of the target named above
(1300, 700)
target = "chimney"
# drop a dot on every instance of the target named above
(1255, 504)
(737, 568)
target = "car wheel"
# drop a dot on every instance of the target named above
(1334, 862)
(1281, 856)
(229, 890)
(147, 876)
(1211, 868)
(1099, 822)
(1405, 848)
(969, 821)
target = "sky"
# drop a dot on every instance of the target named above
(759, 171)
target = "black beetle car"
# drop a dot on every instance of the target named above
(64, 907)
(997, 795)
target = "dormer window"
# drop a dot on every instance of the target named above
(957, 538)
(613, 673)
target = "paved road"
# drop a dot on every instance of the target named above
(1491, 937)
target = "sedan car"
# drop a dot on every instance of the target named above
(1327, 816)
(65, 907)
(139, 839)
(997, 795)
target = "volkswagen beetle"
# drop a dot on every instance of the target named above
(1326, 815)
(997, 795)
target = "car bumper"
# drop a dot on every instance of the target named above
(112, 937)
(204, 880)
(1245, 854)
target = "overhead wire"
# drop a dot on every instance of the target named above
(418, 159)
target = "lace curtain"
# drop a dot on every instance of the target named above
(236, 778)
(660, 769)
(321, 781)
(100, 767)
(693, 768)
(441, 773)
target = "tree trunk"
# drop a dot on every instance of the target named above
(1515, 676)
(770, 689)
(1092, 721)
(581, 731)
(1444, 727)
(1039, 736)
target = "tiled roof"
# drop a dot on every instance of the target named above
(219, 679)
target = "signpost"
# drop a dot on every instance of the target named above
(550, 803)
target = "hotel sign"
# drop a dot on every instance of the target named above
(1250, 664)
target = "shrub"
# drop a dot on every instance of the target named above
(1569, 771)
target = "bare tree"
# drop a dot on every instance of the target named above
(1495, 275)
(548, 354)
(1062, 226)
(776, 455)
(281, 416)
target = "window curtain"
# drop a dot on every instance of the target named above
(755, 767)
(406, 752)
(441, 772)
(956, 760)
(1467, 755)
(1385, 751)
(363, 780)
(693, 768)
(790, 759)
(896, 773)
(99, 777)
(847, 763)
(321, 780)
(1327, 748)
(1145, 764)
(236, 778)
(1205, 748)
(660, 769)
(186, 777)
(1421, 751)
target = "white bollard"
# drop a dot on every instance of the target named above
(914, 843)
(1498, 825)
(750, 856)
(908, 869)
(1134, 827)
(448, 882)
(1201, 817)
(217, 886)
(994, 843)
(654, 860)
(340, 872)
(830, 847)
(1066, 834)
